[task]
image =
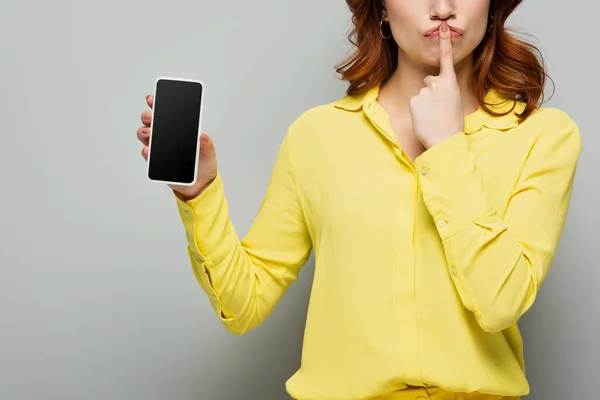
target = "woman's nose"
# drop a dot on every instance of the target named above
(442, 9)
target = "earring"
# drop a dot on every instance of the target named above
(381, 30)
(491, 23)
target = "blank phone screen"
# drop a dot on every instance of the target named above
(175, 130)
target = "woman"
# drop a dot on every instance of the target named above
(434, 195)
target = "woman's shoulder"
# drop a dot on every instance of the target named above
(321, 118)
(551, 116)
(552, 121)
(553, 127)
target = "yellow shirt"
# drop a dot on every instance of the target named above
(422, 269)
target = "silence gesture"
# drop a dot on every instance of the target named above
(436, 111)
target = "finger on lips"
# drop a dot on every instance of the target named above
(446, 54)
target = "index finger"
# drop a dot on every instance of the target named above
(446, 51)
(149, 100)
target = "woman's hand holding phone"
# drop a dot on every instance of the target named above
(207, 162)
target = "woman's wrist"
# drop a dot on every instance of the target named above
(193, 195)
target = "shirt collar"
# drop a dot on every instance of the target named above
(474, 122)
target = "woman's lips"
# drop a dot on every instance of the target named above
(435, 32)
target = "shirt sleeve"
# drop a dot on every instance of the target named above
(244, 279)
(498, 262)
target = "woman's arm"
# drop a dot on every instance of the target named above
(245, 279)
(498, 262)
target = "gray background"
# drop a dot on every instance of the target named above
(97, 297)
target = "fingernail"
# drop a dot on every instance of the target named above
(444, 28)
(147, 96)
(204, 138)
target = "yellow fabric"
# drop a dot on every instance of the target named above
(422, 269)
(438, 394)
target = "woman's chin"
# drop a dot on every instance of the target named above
(431, 61)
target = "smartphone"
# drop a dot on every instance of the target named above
(174, 145)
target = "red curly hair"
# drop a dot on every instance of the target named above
(510, 65)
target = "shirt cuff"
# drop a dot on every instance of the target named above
(452, 188)
(207, 198)
(206, 222)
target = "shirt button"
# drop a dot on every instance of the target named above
(424, 171)
(453, 271)
(199, 258)
(188, 213)
(214, 298)
(441, 223)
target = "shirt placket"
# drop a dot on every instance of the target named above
(405, 296)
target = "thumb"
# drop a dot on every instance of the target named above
(207, 147)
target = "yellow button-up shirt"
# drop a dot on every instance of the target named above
(422, 268)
